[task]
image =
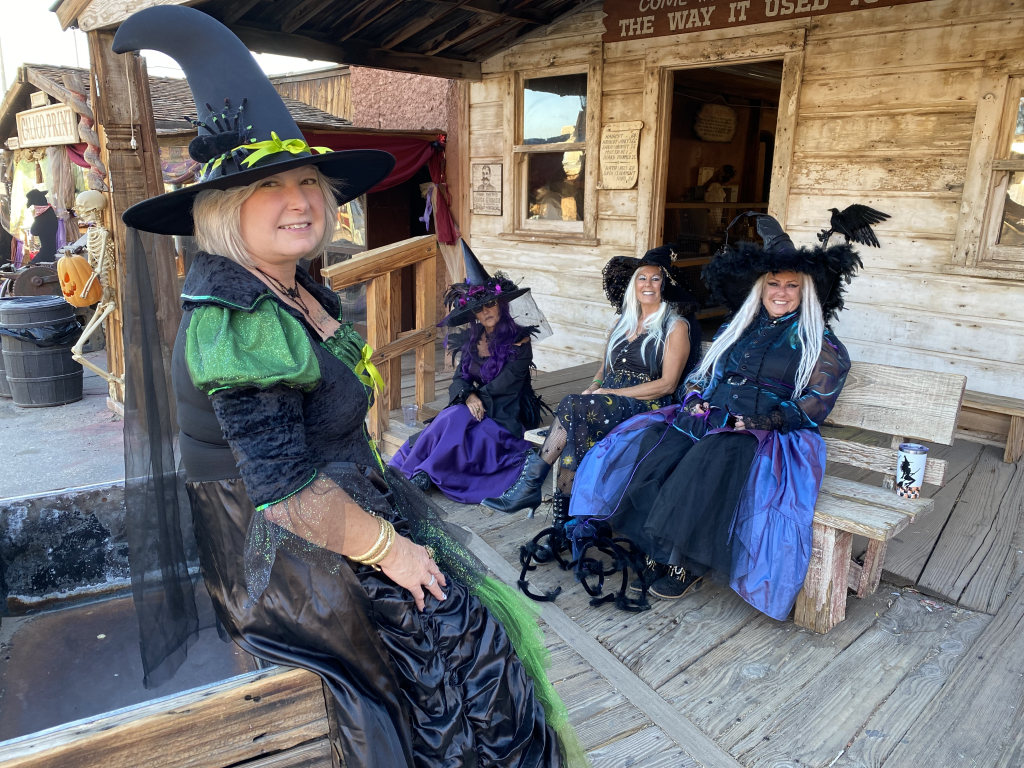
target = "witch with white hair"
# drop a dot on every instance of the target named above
(728, 479)
(651, 347)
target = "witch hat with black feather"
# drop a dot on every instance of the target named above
(245, 130)
(619, 271)
(735, 268)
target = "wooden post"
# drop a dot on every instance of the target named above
(821, 604)
(394, 393)
(378, 331)
(889, 481)
(426, 296)
(871, 571)
(123, 109)
(1014, 440)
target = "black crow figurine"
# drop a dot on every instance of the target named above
(854, 224)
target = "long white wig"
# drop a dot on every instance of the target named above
(628, 325)
(811, 327)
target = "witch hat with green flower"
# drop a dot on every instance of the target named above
(245, 130)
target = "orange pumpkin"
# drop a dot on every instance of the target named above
(74, 273)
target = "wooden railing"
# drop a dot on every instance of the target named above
(383, 317)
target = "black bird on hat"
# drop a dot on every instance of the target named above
(250, 136)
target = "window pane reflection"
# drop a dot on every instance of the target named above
(1017, 147)
(1011, 231)
(555, 185)
(555, 109)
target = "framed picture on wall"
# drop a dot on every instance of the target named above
(486, 186)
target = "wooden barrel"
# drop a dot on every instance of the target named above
(39, 376)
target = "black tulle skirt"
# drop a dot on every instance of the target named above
(437, 689)
(679, 506)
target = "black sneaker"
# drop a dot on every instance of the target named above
(653, 572)
(422, 481)
(675, 584)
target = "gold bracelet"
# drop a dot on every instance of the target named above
(382, 534)
(387, 548)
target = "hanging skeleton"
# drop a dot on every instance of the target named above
(100, 247)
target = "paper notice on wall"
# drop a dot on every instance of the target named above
(486, 186)
(620, 164)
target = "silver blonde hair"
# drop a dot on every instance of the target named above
(811, 328)
(217, 214)
(629, 324)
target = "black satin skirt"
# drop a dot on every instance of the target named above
(680, 504)
(437, 689)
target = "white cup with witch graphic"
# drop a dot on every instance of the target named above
(910, 461)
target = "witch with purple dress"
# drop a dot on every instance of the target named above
(474, 448)
(728, 479)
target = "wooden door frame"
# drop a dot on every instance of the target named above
(660, 66)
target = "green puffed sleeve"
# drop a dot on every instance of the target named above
(227, 348)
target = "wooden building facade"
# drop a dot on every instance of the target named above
(910, 108)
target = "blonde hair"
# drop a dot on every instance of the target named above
(217, 214)
(658, 325)
(811, 329)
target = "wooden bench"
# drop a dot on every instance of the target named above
(907, 405)
(274, 718)
(994, 420)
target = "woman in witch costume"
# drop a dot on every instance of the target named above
(474, 448)
(728, 480)
(654, 343)
(314, 554)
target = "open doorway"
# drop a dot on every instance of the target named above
(719, 163)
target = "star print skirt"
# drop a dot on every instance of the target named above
(588, 418)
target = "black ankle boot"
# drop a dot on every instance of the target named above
(525, 492)
(422, 481)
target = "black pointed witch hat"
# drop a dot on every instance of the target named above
(479, 288)
(245, 130)
(619, 271)
(735, 268)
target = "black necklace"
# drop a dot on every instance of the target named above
(292, 293)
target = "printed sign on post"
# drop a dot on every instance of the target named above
(620, 165)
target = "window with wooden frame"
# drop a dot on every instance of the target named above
(551, 145)
(990, 237)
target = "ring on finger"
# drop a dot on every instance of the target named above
(433, 581)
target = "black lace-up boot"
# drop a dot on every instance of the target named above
(652, 573)
(525, 492)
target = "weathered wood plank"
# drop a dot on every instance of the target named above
(743, 682)
(891, 90)
(426, 317)
(379, 261)
(999, 564)
(876, 459)
(830, 711)
(979, 712)
(316, 754)
(649, 748)
(889, 725)
(853, 517)
(914, 131)
(853, 171)
(900, 401)
(210, 727)
(966, 538)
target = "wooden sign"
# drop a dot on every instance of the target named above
(486, 185)
(619, 162)
(626, 19)
(47, 126)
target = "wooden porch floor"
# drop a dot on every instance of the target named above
(928, 671)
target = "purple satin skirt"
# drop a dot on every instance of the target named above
(468, 460)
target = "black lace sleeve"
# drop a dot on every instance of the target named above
(267, 434)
